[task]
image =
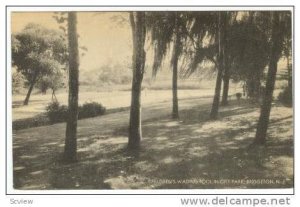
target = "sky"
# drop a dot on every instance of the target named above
(106, 37)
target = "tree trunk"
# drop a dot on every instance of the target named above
(33, 81)
(70, 154)
(226, 76)
(28, 94)
(220, 66)
(175, 114)
(138, 63)
(261, 132)
(175, 56)
(215, 105)
(54, 99)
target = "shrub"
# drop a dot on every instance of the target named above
(90, 110)
(56, 112)
(286, 96)
(59, 113)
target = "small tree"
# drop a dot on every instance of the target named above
(36, 51)
(52, 81)
(167, 28)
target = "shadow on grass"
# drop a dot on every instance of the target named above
(192, 152)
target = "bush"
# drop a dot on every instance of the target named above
(90, 110)
(56, 112)
(59, 113)
(286, 96)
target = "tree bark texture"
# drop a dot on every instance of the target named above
(226, 75)
(137, 21)
(175, 57)
(262, 126)
(220, 66)
(33, 81)
(26, 101)
(70, 153)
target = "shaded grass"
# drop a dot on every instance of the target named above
(43, 120)
(172, 155)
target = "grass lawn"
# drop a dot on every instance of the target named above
(110, 99)
(193, 152)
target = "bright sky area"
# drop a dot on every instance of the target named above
(107, 38)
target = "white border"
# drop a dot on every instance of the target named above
(10, 190)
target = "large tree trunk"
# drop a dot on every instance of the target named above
(174, 62)
(220, 66)
(226, 77)
(138, 63)
(70, 154)
(261, 132)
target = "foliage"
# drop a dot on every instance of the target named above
(90, 110)
(56, 112)
(17, 82)
(54, 80)
(286, 96)
(113, 74)
(59, 113)
(36, 52)
(286, 23)
(44, 84)
(248, 50)
(162, 27)
(203, 34)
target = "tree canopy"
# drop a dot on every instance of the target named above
(38, 51)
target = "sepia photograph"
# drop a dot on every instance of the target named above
(165, 99)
